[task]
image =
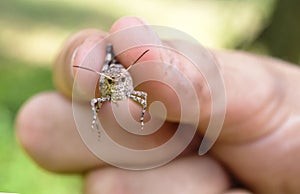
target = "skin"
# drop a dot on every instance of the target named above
(258, 145)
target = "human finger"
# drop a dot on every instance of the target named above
(186, 175)
(72, 51)
(264, 142)
(49, 135)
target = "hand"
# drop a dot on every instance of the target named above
(258, 144)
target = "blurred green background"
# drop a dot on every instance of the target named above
(32, 32)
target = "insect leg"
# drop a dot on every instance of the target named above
(96, 105)
(141, 98)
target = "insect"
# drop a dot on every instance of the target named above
(115, 84)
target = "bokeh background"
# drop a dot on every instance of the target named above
(32, 32)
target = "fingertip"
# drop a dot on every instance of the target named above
(31, 132)
(71, 53)
(131, 37)
(48, 134)
(127, 22)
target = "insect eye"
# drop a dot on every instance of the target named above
(109, 81)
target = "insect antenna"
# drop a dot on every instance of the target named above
(97, 72)
(137, 59)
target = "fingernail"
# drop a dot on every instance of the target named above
(82, 51)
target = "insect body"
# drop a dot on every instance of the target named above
(115, 84)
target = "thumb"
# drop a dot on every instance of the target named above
(165, 74)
